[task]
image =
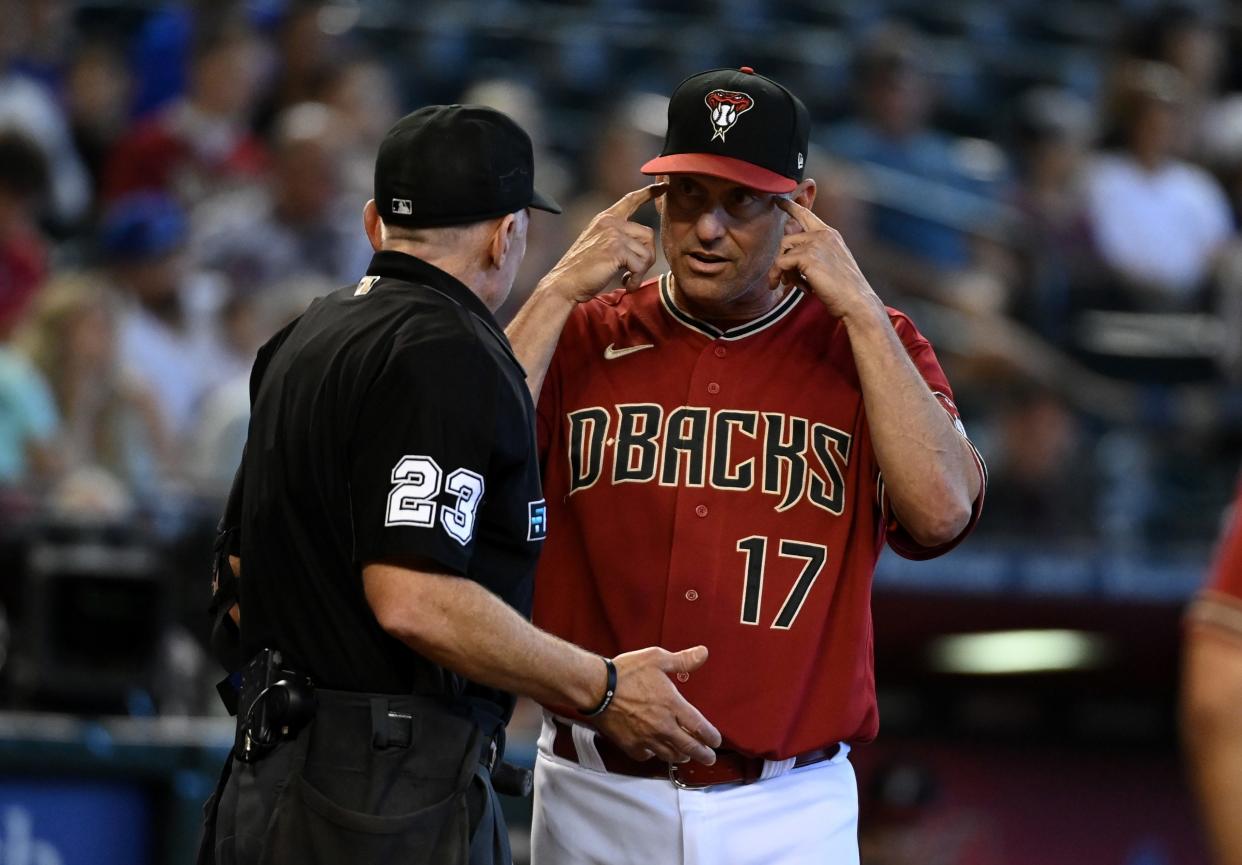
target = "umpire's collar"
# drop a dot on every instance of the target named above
(407, 268)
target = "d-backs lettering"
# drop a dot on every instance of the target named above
(694, 446)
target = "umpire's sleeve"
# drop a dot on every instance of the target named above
(420, 454)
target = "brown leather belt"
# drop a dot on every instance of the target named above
(730, 766)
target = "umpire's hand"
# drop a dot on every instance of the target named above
(649, 718)
(610, 246)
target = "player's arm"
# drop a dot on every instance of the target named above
(459, 624)
(611, 246)
(1211, 715)
(930, 470)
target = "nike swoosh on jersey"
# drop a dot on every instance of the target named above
(611, 353)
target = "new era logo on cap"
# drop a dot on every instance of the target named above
(402, 206)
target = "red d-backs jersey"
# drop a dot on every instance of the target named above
(1220, 604)
(721, 488)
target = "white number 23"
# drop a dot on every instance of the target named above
(411, 502)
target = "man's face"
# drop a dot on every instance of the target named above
(305, 175)
(719, 238)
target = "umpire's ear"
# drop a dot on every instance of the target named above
(372, 224)
(507, 239)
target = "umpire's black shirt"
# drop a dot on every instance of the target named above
(391, 422)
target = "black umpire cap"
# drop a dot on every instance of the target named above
(453, 165)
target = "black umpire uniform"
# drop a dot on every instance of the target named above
(390, 423)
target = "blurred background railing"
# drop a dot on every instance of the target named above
(1051, 190)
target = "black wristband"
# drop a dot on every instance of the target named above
(610, 691)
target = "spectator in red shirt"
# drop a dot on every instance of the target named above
(201, 143)
(23, 251)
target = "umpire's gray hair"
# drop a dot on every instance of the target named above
(441, 237)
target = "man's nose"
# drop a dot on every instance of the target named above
(709, 227)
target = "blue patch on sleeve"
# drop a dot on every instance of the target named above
(538, 527)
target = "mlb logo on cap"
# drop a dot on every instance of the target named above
(402, 206)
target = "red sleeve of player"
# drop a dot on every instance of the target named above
(1219, 605)
(925, 361)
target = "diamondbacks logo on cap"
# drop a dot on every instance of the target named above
(725, 107)
(402, 206)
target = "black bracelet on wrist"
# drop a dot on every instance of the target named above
(610, 691)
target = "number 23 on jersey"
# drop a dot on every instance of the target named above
(412, 500)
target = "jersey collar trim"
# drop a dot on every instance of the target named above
(408, 268)
(763, 322)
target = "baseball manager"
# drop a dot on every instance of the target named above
(726, 450)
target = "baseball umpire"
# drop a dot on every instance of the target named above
(384, 529)
(726, 449)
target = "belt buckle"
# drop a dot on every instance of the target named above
(680, 784)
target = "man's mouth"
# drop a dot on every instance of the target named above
(706, 262)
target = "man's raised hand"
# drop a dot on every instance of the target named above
(610, 246)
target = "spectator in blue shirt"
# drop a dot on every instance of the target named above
(928, 191)
(28, 422)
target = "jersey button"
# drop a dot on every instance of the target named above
(692, 595)
(721, 351)
(701, 510)
(683, 677)
(713, 387)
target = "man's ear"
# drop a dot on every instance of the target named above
(804, 194)
(503, 238)
(373, 225)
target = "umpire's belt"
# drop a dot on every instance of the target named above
(394, 721)
(730, 766)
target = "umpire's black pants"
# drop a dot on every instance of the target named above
(341, 791)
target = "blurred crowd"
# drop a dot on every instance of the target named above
(1051, 190)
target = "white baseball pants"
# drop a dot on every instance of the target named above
(584, 815)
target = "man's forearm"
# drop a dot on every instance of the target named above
(929, 470)
(460, 625)
(610, 246)
(534, 331)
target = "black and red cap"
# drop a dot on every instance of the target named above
(737, 125)
(453, 165)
